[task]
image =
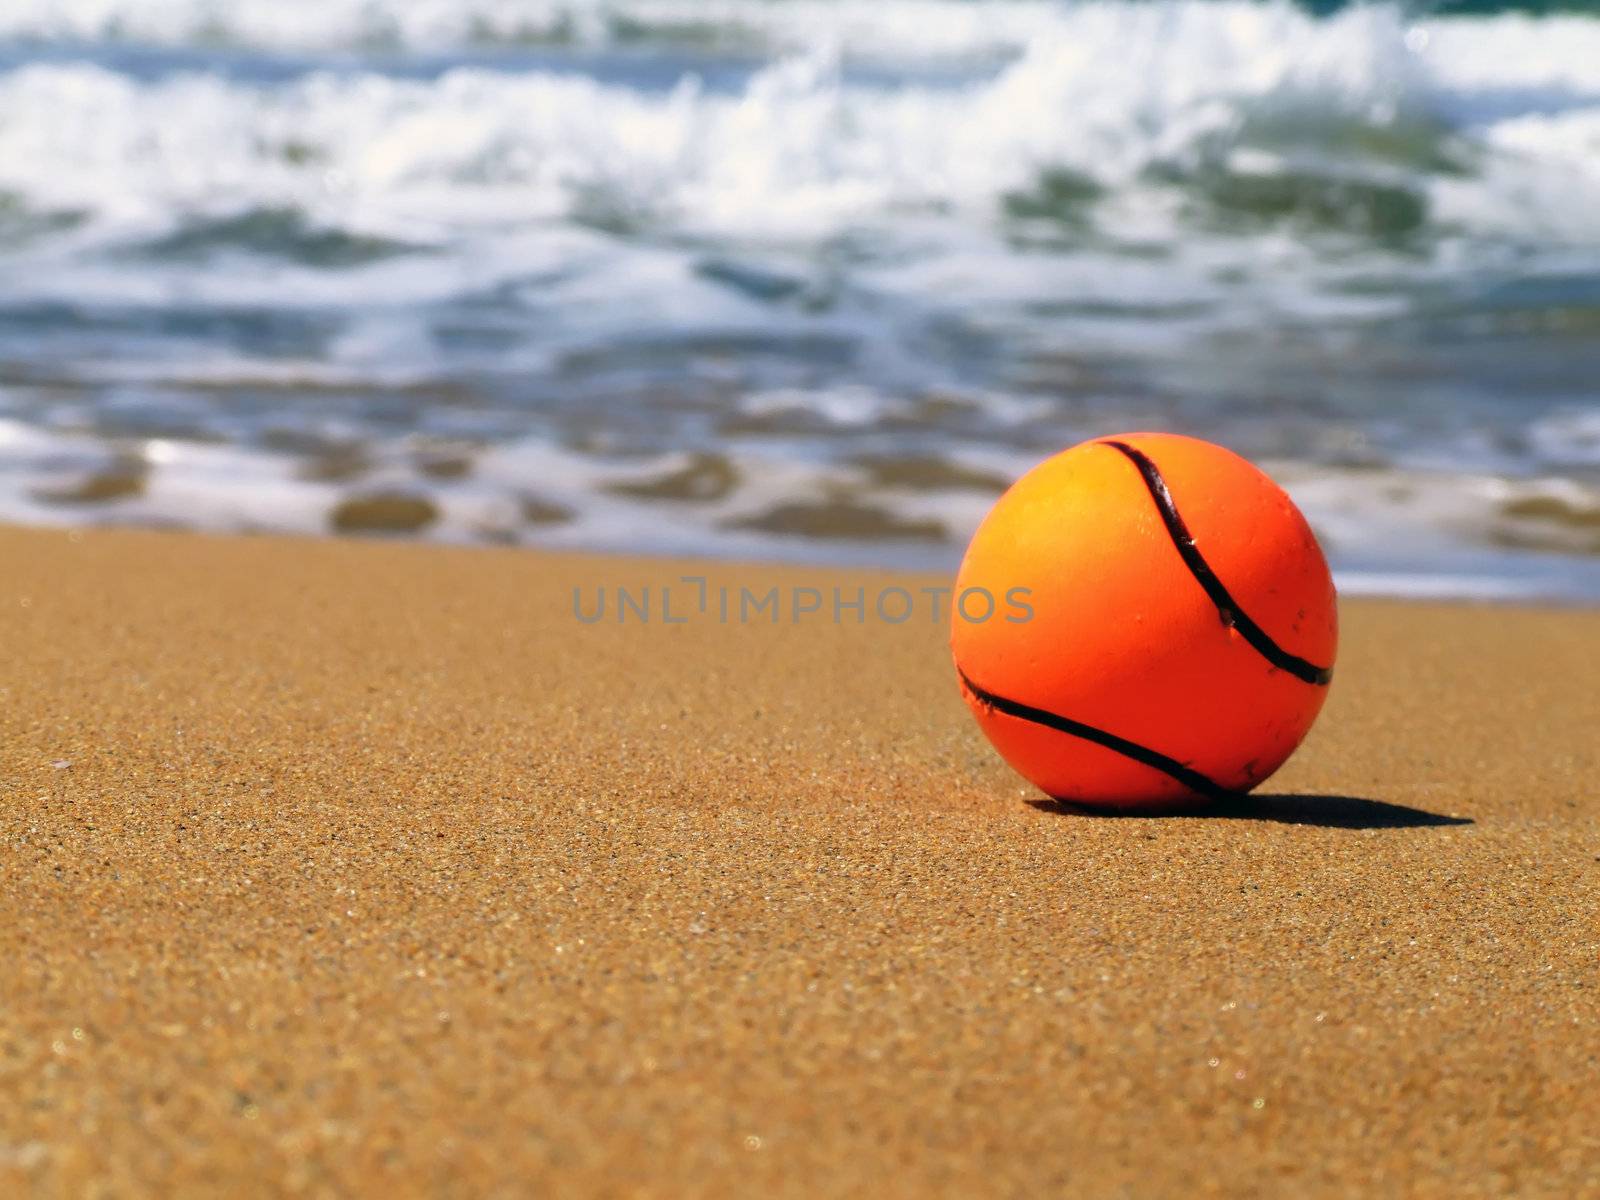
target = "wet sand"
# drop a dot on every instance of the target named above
(358, 868)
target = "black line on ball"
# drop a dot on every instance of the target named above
(1188, 776)
(1227, 606)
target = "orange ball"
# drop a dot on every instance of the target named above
(1163, 623)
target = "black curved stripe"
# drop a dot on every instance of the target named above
(1227, 606)
(1188, 776)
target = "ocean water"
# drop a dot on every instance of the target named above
(803, 279)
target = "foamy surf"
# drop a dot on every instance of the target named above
(797, 279)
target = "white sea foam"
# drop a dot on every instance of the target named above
(1478, 53)
(943, 28)
(1568, 440)
(1038, 231)
(1109, 92)
(1398, 532)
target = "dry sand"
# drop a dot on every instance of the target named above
(366, 869)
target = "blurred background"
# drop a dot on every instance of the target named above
(802, 279)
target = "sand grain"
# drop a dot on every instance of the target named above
(358, 868)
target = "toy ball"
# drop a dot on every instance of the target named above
(1144, 621)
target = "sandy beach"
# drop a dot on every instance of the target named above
(338, 867)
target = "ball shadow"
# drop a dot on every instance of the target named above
(1285, 808)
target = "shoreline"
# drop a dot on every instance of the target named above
(357, 866)
(1366, 582)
